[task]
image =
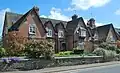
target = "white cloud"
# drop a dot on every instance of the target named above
(86, 4)
(2, 16)
(55, 13)
(117, 12)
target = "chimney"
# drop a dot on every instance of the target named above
(74, 17)
(36, 9)
(91, 23)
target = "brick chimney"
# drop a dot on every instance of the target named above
(91, 23)
(36, 9)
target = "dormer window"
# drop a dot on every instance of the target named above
(49, 32)
(32, 29)
(60, 34)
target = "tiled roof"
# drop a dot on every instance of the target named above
(10, 16)
(103, 31)
(73, 24)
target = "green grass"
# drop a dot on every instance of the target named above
(70, 54)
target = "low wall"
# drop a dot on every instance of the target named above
(57, 61)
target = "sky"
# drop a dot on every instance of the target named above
(103, 11)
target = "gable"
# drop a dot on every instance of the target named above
(19, 22)
(49, 25)
(73, 25)
(32, 19)
(60, 26)
(111, 36)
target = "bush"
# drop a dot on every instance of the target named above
(118, 51)
(2, 52)
(99, 51)
(110, 47)
(14, 44)
(105, 53)
(78, 50)
(36, 49)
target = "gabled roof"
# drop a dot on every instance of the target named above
(54, 21)
(45, 24)
(103, 31)
(60, 23)
(16, 25)
(73, 24)
(10, 17)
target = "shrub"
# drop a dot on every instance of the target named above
(99, 51)
(78, 50)
(105, 53)
(118, 51)
(14, 44)
(103, 45)
(2, 52)
(36, 49)
(118, 44)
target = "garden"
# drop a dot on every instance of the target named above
(36, 54)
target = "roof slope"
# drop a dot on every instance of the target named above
(73, 24)
(10, 17)
(16, 25)
(103, 31)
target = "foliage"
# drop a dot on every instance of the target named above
(88, 54)
(99, 51)
(110, 47)
(78, 50)
(36, 49)
(2, 52)
(14, 44)
(118, 44)
(105, 53)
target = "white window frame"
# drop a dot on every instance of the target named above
(112, 38)
(95, 36)
(60, 33)
(32, 29)
(49, 32)
(83, 32)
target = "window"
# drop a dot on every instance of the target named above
(60, 34)
(49, 32)
(83, 32)
(32, 29)
(95, 36)
(112, 38)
